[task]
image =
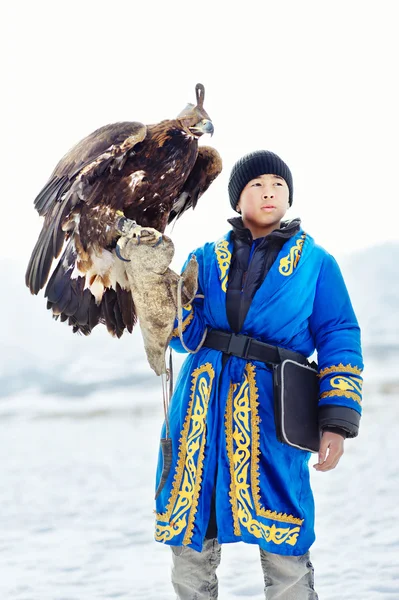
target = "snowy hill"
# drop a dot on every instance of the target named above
(42, 354)
(372, 277)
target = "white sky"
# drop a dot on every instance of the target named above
(314, 81)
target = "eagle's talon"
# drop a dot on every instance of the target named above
(151, 237)
(146, 235)
(118, 253)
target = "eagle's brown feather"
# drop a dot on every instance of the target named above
(126, 167)
(207, 167)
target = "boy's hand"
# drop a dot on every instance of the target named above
(331, 450)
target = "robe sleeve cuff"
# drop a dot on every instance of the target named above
(336, 430)
(339, 417)
(341, 385)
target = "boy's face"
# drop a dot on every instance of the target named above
(264, 202)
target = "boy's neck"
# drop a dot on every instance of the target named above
(258, 232)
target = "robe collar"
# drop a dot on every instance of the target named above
(287, 230)
(290, 259)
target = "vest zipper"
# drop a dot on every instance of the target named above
(243, 280)
(244, 277)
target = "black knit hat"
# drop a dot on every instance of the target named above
(252, 165)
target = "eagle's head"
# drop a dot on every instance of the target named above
(194, 119)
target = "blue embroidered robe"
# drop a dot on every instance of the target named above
(222, 420)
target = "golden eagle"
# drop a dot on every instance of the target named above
(149, 174)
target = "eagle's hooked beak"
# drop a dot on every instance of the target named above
(204, 126)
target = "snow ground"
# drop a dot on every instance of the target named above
(77, 500)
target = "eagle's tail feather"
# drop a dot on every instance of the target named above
(111, 314)
(71, 301)
(81, 315)
(126, 304)
(87, 316)
(94, 313)
(64, 294)
(120, 325)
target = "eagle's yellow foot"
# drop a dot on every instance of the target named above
(131, 232)
(126, 226)
(140, 235)
(147, 235)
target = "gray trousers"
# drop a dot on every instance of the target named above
(194, 574)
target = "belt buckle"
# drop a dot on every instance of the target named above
(238, 345)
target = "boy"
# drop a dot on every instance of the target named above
(232, 479)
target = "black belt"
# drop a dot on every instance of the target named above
(249, 348)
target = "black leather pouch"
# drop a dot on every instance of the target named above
(296, 398)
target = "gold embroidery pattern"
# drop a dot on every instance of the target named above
(242, 423)
(335, 393)
(186, 487)
(186, 322)
(255, 420)
(340, 369)
(223, 256)
(346, 384)
(288, 263)
(349, 386)
(229, 443)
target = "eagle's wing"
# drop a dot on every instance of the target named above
(90, 157)
(206, 168)
(105, 149)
